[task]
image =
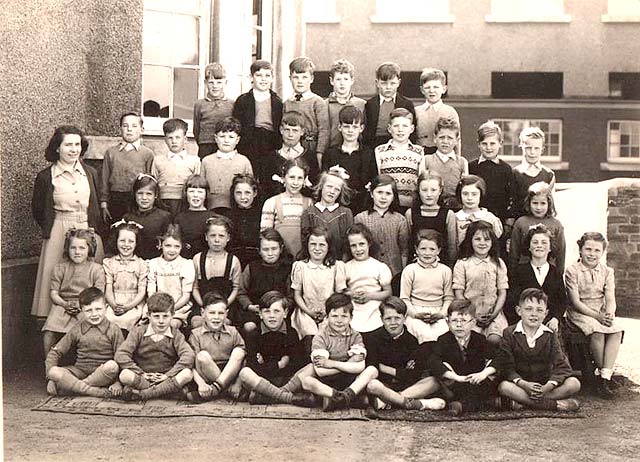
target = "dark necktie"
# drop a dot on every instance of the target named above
(298, 97)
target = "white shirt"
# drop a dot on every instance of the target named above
(446, 157)
(135, 146)
(383, 99)
(261, 96)
(226, 155)
(156, 337)
(541, 272)
(323, 207)
(531, 341)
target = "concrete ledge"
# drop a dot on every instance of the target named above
(99, 144)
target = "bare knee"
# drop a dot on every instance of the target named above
(127, 377)
(196, 321)
(55, 373)
(249, 327)
(504, 387)
(111, 367)
(176, 323)
(573, 385)
(307, 382)
(203, 357)
(375, 386)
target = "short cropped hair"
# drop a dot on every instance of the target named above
(219, 220)
(274, 296)
(489, 128)
(337, 301)
(462, 306)
(302, 64)
(160, 302)
(393, 303)
(259, 65)
(213, 297)
(214, 71)
(133, 114)
(293, 119)
(447, 123)
(531, 132)
(341, 66)
(426, 234)
(229, 124)
(387, 71)
(52, 154)
(533, 294)
(430, 73)
(90, 295)
(350, 115)
(401, 112)
(173, 125)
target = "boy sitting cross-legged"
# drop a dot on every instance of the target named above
(275, 353)
(219, 350)
(155, 359)
(392, 353)
(337, 354)
(461, 359)
(536, 372)
(95, 341)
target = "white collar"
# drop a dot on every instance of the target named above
(436, 106)
(226, 155)
(446, 157)
(150, 332)
(304, 96)
(260, 95)
(59, 169)
(291, 153)
(383, 99)
(323, 207)
(124, 146)
(482, 159)
(181, 155)
(529, 169)
(531, 341)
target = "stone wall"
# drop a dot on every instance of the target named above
(623, 254)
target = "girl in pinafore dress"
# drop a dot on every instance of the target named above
(591, 289)
(126, 277)
(69, 278)
(480, 276)
(64, 198)
(283, 212)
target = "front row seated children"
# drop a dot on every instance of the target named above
(470, 191)
(394, 355)
(538, 273)
(95, 341)
(155, 360)
(174, 275)
(337, 373)
(216, 269)
(480, 276)
(274, 352)
(69, 277)
(126, 277)
(219, 351)
(461, 360)
(314, 277)
(426, 288)
(534, 369)
(591, 289)
(272, 271)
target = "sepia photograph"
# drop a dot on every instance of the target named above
(320, 230)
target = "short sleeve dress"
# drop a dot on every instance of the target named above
(593, 284)
(126, 276)
(368, 275)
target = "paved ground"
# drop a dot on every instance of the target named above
(610, 433)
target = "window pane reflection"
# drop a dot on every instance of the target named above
(185, 92)
(156, 86)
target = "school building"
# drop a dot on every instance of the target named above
(570, 67)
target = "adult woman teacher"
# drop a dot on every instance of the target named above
(64, 197)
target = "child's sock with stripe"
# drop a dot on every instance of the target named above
(163, 388)
(293, 385)
(280, 395)
(70, 382)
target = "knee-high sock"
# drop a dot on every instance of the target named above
(101, 378)
(293, 385)
(280, 395)
(70, 382)
(160, 389)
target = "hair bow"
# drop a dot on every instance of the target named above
(339, 171)
(278, 178)
(124, 222)
(538, 226)
(368, 186)
(143, 175)
(307, 182)
(540, 187)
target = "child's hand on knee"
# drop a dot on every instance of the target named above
(116, 389)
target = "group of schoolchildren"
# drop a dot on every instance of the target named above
(420, 280)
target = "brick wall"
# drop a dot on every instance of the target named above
(623, 254)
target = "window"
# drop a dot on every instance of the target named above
(511, 129)
(261, 29)
(320, 11)
(174, 53)
(540, 85)
(418, 11)
(624, 85)
(527, 11)
(622, 11)
(623, 141)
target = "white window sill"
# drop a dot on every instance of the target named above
(617, 165)
(331, 19)
(563, 18)
(608, 18)
(449, 18)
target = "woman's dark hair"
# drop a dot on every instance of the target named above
(52, 154)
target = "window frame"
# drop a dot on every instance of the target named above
(499, 15)
(545, 159)
(153, 125)
(622, 160)
(616, 12)
(388, 12)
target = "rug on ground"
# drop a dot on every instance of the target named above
(228, 409)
